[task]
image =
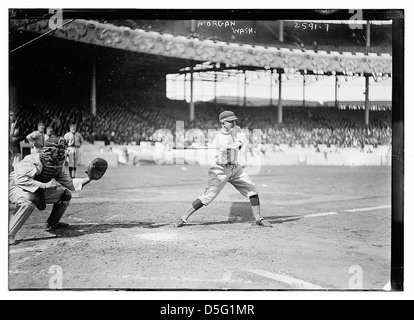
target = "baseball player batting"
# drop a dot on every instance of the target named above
(228, 142)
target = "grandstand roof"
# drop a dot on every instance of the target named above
(187, 49)
(328, 35)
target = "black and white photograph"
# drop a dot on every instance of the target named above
(216, 150)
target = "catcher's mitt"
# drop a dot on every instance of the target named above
(97, 168)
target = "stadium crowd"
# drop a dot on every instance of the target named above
(132, 121)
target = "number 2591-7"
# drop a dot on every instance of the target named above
(312, 26)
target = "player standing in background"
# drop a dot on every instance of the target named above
(49, 133)
(229, 141)
(37, 139)
(14, 141)
(75, 141)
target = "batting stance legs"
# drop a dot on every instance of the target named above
(219, 176)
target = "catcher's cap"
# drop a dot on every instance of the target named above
(227, 116)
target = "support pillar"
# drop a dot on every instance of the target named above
(281, 31)
(304, 89)
(185, 87)
(192, 107)
(336, 92)
(280, 108)
(271, 88)
(93, 85)
(368, 36)
(367, 100)
(215, 88)
(245, 89)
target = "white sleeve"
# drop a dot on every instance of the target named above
(216, 141)
(77, 183)
(216, 144)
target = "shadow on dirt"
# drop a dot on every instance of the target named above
(242, 212)
(272, 220)
(80, 230)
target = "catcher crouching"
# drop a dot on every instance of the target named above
(31, 185)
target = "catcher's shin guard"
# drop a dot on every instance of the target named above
(18, 220)
(57, 213)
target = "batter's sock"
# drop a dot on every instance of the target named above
(74, 173)
(195, 206)
(70, 172)
(255, 202)
(256, 213)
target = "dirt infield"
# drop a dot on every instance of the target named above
(330, 224)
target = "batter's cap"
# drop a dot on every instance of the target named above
(227, 116)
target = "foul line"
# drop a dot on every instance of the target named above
(320, 214)
(112, 218)
(368, 209)
(324, 214)
(285, 279)
(29, 249)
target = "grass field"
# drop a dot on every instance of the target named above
(331, 230)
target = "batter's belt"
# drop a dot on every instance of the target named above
(228, 165)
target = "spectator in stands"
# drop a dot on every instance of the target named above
(134, 120)
(49, 133)
(14, 141)
(103, 137)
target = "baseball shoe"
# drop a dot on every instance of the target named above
(179, 223)
(12, 240)
(60, 225)
(263, 223)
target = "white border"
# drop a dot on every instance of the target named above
(213, 4)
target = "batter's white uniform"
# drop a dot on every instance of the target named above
(227, 169)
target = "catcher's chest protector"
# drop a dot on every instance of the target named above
(49, 171)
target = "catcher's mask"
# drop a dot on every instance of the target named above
(56, 148)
